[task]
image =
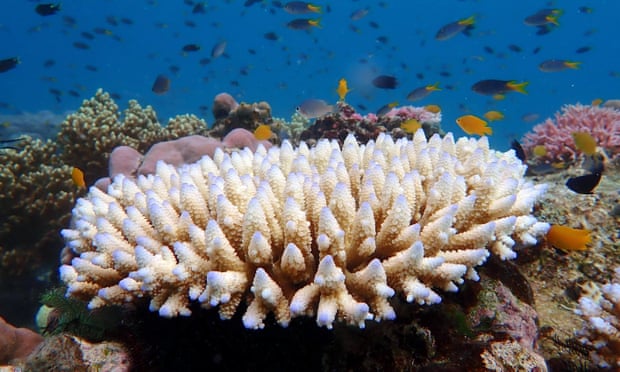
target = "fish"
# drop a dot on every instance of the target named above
(191, 48)
(584, 142)
(78, 177)
(199, 8)
(161, 84)
(515, 48)
(530, 117)
(218, 49)
(596, 102)
(9, 64)
(472, 124)
(432, 108)
(301, 7)
(519, 152)
(271, 36)
(304, 23)
(544, 17)
(422, 92)
(47, 9)
(583, 49)
(539, 151)
(359, 14)
(454, 28)
(410, 125)
(314, 108)
(385, 82)
(81, 45)
(555, 65)
(386, 108)
(342, 89)
(568, 239)
(584, 184)
(493, 115)
(492, 87)
(263, 132)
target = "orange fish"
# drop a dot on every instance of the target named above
(78, 177)
(584, 142)
(342, 89)
(474, 125)
(568, 239)
(263, 132)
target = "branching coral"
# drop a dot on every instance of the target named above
(600, 310)
(326, 231)
(556, 135)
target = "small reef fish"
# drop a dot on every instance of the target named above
(191, 48)
(161, 84)
(410, 125)
(519, 152)
(263, 132)
(422, 92)
(9, 64)
(303, 23)
(493, 115)
(342, 89)
(314, 108)
(47, 9)
(543, 17)
(359, 14)
(452, 29)
(555, 65)
(472, 124)
(301, 7)
(386, 108)
(493, 87)
(584, 142)
(271, 36)
(584, 184)
(568, 239)
(78, 177)
(385, 82)
(218, 49)
(596, 102)
(432, 108)
(539, 151)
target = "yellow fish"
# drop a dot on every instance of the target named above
(493, 115)
(584, 142)
(432, 108)
(263, 132)
(568, 239)
(342, 89)
(472, 124)
(410, 125)
(539, 151)
(597, 102)
(78, 177)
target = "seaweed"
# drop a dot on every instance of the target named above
(72, 316)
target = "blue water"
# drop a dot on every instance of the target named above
(302, 64)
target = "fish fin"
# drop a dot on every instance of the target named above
(518, 87)
(573, 64)
(468, 21)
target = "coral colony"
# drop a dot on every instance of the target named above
(327, 231)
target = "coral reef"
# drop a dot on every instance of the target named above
(88, 136)
(345, 120)
(600, 310)
(602, 123)
(511, 356)
(16, 343)
(230, 115)
(323, 231)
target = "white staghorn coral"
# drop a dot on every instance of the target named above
(600, 309)
(325, 231)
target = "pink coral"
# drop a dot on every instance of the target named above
(556, 135)
(411, 112)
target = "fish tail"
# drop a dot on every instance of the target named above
(518, 87)
(573, 64)
(315, 22)
(314, 8)
(433, 87)
(553, 19)
(468, 21)
(487, 131)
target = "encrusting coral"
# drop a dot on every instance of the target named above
(325, 231)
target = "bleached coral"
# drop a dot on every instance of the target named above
(600, 310)
(324, 231)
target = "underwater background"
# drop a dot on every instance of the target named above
(123, 46)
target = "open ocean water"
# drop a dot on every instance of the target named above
(122, 46)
